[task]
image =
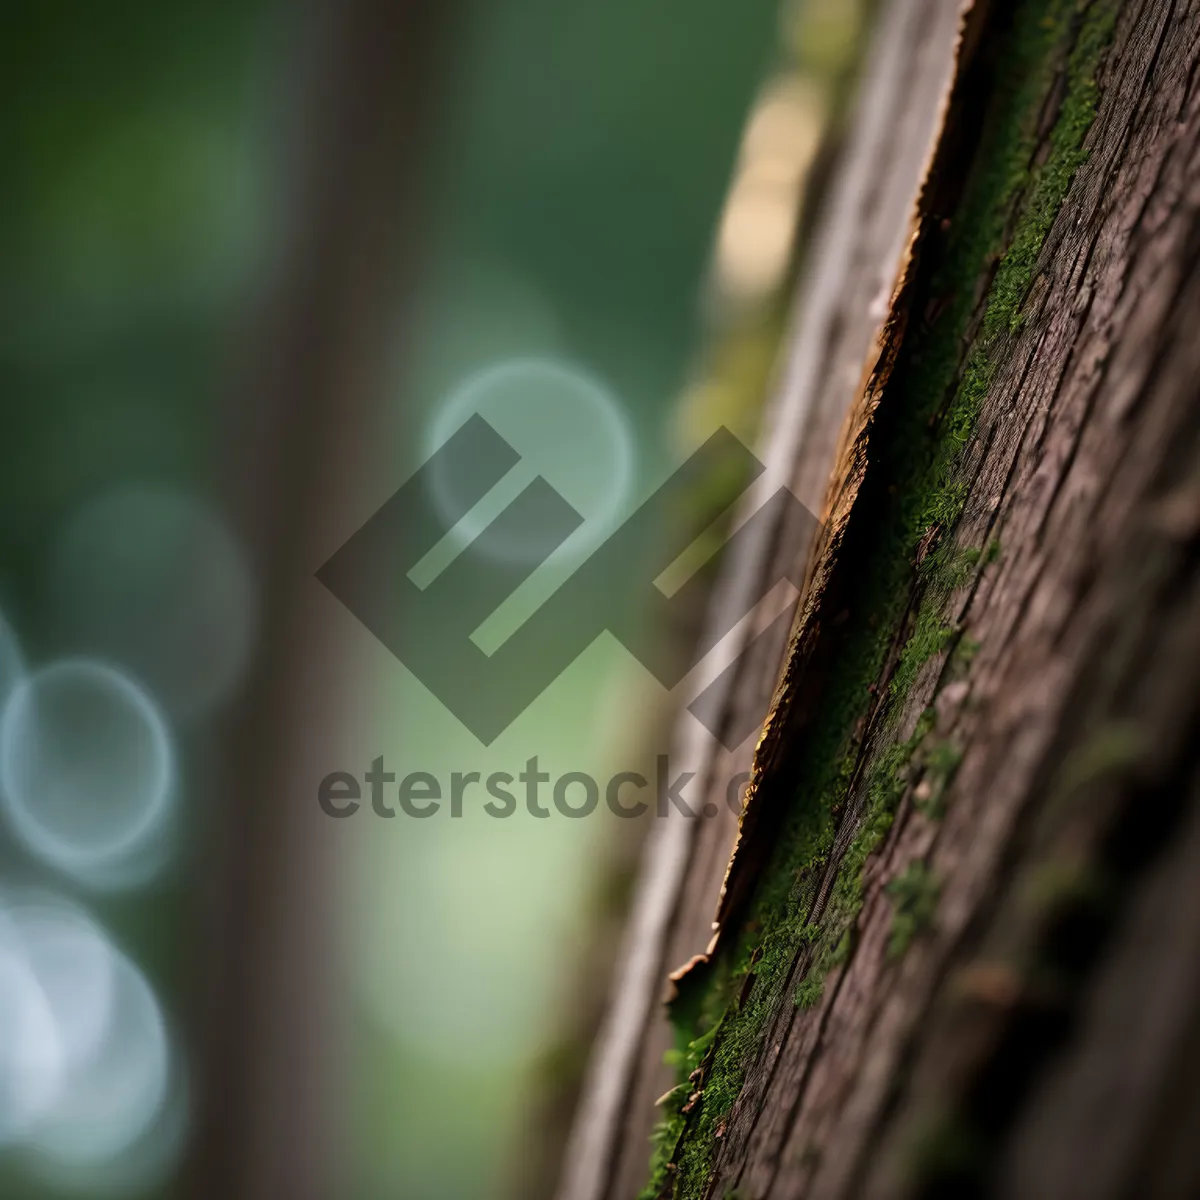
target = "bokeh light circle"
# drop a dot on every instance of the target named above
(566, 425)
(31, 1053)
(149, 577)
(86, 1063)
(113, 1097)
(12, 662)
(86, 766)
(72, 962)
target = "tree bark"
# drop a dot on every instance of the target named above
(955, 945)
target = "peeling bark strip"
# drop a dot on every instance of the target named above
(973, 836)
(859, 247)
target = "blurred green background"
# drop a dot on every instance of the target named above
(579, 161)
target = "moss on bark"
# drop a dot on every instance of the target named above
(977, 265)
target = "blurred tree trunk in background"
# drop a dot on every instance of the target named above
(956, 949)
(270, 1098)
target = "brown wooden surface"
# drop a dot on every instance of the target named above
(858, 251)
(1039, 1038)
(989, 1036)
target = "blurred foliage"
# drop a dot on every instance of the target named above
(583, 151)
(124, 225)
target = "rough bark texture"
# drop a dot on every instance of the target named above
(860, 246)
(957, 940)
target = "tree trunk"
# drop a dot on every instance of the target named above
(268, 1095)
(956, 946)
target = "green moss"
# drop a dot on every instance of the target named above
(940, 765)
(911, 497)
(946, 569)
(915, 893)
(943, 760)
(949, 566)
(930, 637)
(662, 1147)
(810, 991)
(962, 655)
